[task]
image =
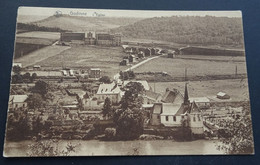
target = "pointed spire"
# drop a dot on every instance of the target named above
(186, 96)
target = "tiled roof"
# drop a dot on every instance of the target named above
(172, 96)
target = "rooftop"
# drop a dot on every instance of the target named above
(108, 89)
(18, 98)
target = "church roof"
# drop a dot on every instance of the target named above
(172, 96)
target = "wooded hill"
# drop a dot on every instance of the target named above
(208, 30)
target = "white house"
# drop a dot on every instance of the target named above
(17, 101)
(112, 91)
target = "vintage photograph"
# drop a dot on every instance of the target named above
(94, 82)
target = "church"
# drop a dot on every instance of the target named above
(176, 110)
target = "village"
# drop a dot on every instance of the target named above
(78, 103)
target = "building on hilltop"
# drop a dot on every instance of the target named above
(72, 36)
(90, 40)
(107, 39)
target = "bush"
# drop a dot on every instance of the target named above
(110, 133)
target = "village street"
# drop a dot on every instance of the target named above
(116, 76)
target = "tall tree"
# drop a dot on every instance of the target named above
(105, 79)
(35, 101)
(41, 87)
(17, 69)
(129, 118)
(107, 108)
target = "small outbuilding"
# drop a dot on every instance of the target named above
(222, 95)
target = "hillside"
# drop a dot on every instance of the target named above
(207, 30)
(76, 23)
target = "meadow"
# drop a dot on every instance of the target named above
(85, 57)
(175, 67)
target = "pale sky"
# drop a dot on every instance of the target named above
(45, 11)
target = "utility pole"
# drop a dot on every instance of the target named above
(185, 75)
(236, 71)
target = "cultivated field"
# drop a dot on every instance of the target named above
(195, 67)
(39, 34)
(236, 88)
(84, 57)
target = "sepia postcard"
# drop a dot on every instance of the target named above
(94, 82)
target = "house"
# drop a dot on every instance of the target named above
(132, 58)
(147, 52)
(143, 82)
(171, 54)
(17, 64)
(202, 102)
(111, 91)
(95, 73)
(124, 62)
(151, 97)
(222, 95)
(91, 104)
(153, 51)
(17, 101)
(141, 54)
(36, 67)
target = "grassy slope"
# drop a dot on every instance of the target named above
(75, 23)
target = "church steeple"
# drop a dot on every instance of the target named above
(186, 96)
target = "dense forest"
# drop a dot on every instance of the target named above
(187, 30)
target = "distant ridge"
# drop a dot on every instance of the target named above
(78, 23)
